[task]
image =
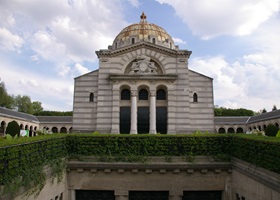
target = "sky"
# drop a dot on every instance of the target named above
(44, 45)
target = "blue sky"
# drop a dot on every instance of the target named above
(45, 44)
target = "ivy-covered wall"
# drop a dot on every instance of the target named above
(22, 161)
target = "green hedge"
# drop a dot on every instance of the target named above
(22, 160)
(23, 164)
(147, 145)
(258, 150)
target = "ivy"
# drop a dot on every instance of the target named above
(17, 157)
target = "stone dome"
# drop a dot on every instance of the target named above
(143, 31)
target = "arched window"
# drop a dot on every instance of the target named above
(170, 45)
(161, 94)
(195, 100)
(91, 97)
(132, 40)
(116, 45)
(143, 94)
(125, 94)
(154, 40)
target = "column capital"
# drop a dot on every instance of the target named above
(153, 92)
(134, 93)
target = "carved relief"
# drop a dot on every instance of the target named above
(143, 65)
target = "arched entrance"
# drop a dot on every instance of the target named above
(161, 110)
(143, 113)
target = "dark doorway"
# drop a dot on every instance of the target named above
(95, 195)
(125, 120)
(148, 195)
(202, 195)
(161, 121)
(143, 120)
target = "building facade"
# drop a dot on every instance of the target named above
(143, 85)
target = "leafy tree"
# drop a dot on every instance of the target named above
(274, 108)
(37, 107)
(13, 128)
(53, 113)
(24, 104)
(221, 111)
(5, 99)
(271, 130)
(264, 111)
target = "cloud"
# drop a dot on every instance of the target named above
(10, 41)
(134, 3)
(81, 69)
(179, 41)
(209, 19)
(242, 83)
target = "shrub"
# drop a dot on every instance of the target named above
(13, 128)
(278, 134)
(271, 130)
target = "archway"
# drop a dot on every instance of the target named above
(230, 130)
(54, 130)
(2, 127)
(63, 130)
(161, 110)
(239, 130)
(221, 130)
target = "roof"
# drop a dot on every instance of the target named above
(265, 116)
(19, 115)
(232, 120)
(55, 119)
(144, 31)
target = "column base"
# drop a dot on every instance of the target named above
(153, 132)
(133, 131)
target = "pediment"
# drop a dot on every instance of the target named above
(136, 46)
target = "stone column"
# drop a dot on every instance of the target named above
(153, 112)
(133, 120)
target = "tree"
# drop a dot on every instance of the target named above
(54, 113)
(24, 104)
(13, 128)
(271, 130)
(264, 111)
(232, 112)
(5, 99)
(37, 107)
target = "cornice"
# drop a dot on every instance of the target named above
(170, 52)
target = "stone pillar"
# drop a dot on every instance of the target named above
(133, 122)
(153, 112)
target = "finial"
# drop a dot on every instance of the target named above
(143, 17)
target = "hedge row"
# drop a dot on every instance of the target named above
(146, 145)
(23, 164)
(23, 159)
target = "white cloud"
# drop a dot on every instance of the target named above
(134, 3)
(10, 41)
(242, 83)
(209, 19)
(81, 69)
(179, 41)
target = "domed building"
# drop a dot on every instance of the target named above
(143, 85)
